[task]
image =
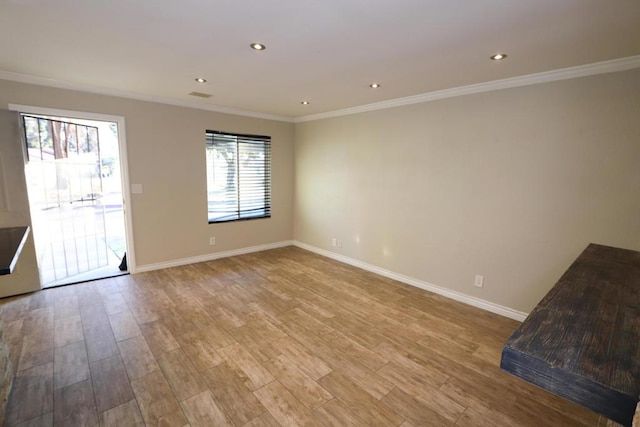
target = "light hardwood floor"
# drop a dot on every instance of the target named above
(281, 337)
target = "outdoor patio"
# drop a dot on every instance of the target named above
(79, 241)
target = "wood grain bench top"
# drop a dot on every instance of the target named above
(581, 341)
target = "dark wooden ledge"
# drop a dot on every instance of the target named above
(581, 341)
(11, 242)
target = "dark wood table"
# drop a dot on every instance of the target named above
(12, 240)
(581, 341)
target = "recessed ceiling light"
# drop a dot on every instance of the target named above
(374, 85)
(258, 46)
(201, 80)
(498, 56)
(304, 102)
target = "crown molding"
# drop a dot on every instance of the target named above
(59, 84)
(603, 67)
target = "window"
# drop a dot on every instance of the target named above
(238, 176)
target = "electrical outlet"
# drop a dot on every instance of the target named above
(212, 241)
(339, 243)
(479, 282)
(334, 242)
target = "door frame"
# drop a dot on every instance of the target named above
(124, 162)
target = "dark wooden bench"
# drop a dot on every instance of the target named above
(12, 240)
(581, 342)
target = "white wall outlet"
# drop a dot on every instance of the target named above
(212, 241)
(136, 188)
(339, 243)
(334, 242)
(479, 282)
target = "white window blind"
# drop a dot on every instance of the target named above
(238, 176)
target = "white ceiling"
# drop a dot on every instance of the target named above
(325, 51)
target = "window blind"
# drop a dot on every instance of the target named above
(238, 176)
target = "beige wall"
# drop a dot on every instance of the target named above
(166, 152)
(14, 207)
(510, 184)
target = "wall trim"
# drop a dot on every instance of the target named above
(603, 67)
(212, 256)
(457, 296)
(59, 84)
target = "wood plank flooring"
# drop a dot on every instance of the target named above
(277, 338)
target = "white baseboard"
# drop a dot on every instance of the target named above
(457, 296)
(211, 257)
